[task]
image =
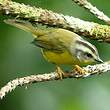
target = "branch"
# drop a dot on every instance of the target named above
(100, 15)
(90, 70)
(38, 15)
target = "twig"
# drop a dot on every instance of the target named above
(90, 70)
(100, 15)
(38, 15)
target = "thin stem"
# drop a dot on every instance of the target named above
(92, 9)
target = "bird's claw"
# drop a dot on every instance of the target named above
(60, 72)
(79, 70)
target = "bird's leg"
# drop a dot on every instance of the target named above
(80, 70)
(60, 72)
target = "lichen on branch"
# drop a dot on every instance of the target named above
(92, 9)
(46, 17)
(90, 70)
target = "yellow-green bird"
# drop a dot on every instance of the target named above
(60, 46)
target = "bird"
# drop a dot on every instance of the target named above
(60, 46)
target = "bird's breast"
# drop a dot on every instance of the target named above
(59, 58)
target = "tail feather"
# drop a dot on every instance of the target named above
(26, 26)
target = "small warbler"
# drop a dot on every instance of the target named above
(60, 46)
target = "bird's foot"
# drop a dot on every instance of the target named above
(79, 70)
(60, 72)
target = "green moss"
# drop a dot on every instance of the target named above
(101, 32)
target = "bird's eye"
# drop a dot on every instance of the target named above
(88, 55)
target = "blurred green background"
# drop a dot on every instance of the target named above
(18, 58)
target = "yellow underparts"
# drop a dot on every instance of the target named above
(59, 58)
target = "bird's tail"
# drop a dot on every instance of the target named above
(26, 26)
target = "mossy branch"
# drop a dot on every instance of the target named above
(92, 9)
(90, 70)
(46, 17)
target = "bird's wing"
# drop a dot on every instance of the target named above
(49, 41)
(52, 39)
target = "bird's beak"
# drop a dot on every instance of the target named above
(99, 60)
